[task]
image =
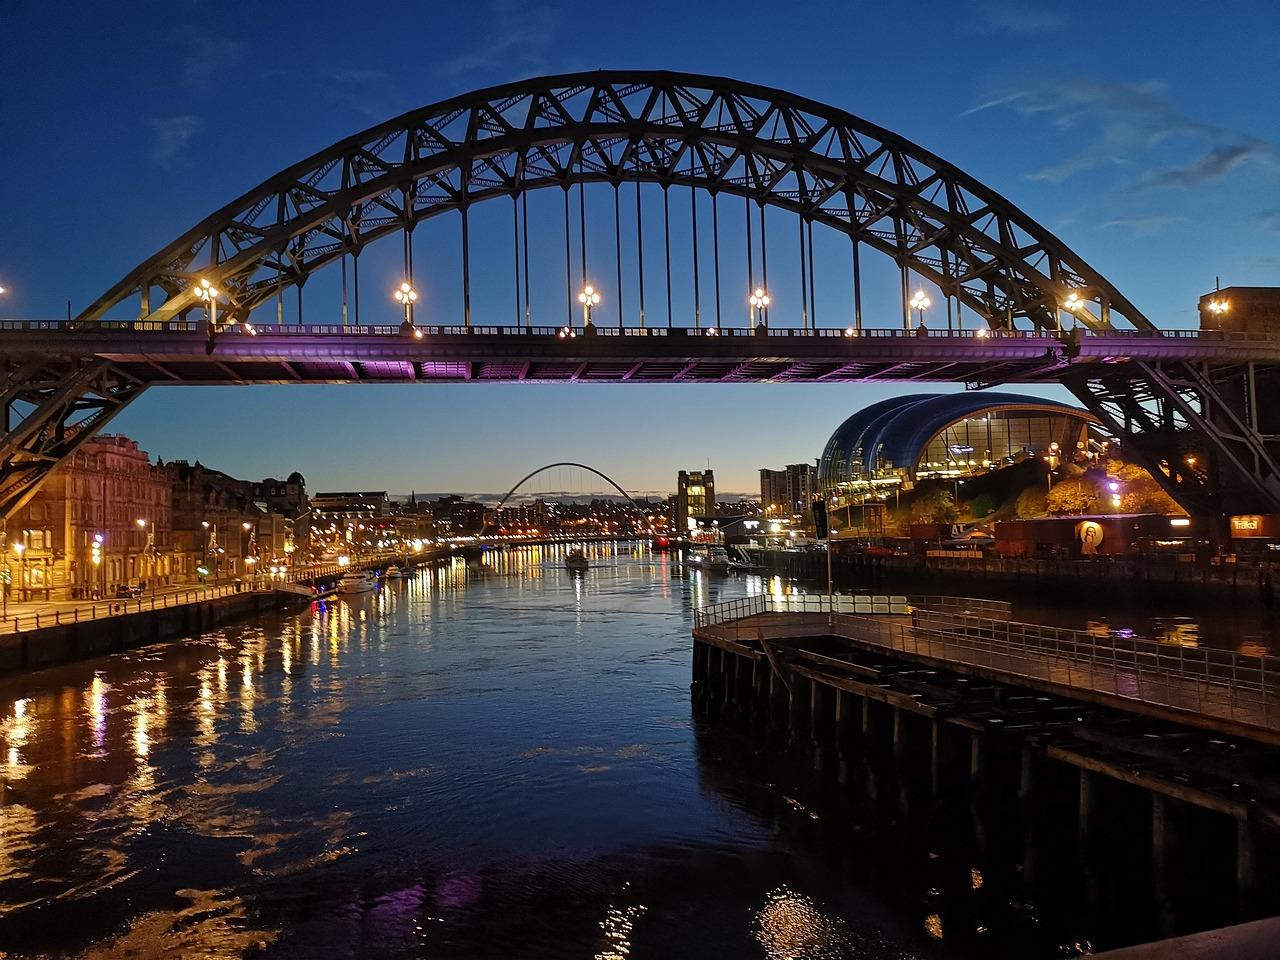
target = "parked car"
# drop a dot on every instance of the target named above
(128, 591)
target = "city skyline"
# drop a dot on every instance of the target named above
(1156, 144)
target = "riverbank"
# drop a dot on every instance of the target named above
(58, 643)
(1258, 583)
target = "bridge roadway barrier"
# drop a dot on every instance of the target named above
(1131, 751)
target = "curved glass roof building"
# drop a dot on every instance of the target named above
(902, 439)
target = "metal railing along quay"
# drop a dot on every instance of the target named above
(58, 615)
(101, 609)
(1240, 689)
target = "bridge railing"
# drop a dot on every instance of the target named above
(604, 330)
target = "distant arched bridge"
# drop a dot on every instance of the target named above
(209, 307)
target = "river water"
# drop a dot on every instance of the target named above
(495, 762)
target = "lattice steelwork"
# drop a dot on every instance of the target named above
(826, 165)
(1190, 422)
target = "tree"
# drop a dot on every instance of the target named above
(983, 505)
(933, 506)
(1031, 504)
(1073, 495)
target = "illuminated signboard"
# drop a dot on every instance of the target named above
(1250, 525)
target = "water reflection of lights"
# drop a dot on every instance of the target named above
(617, 925)
(17, 731)
(96, 705)
(789, 926)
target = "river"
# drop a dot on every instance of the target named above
(498, 761)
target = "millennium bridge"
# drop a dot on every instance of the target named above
(750, 171)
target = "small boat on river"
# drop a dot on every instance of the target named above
(357, 581)
(576, 560)
(714, 559)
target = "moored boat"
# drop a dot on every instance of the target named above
(714, 559)
(576, 560)
(357, 581)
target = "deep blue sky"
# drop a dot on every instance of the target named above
(1144, 133)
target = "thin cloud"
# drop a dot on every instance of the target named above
(515, 40)
(170, 137)
(1270, 220)
(1012, 16)
(1118, 125)
(207, 55)
(1144, 223)
(369, 92)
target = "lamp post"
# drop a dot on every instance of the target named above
(149, 551)
(209, 294)
(588, 298)
(920, 303)
(831, 601)
(1076, 305)
(95, 557)
(21, 550)
(407, 296)
(759, 300)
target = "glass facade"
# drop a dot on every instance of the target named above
(904, 439)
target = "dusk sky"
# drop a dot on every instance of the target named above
(1151, 144)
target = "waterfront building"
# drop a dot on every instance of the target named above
(773, 493)
(785, 494)
(102, 519)
(221, 528)
(345, 520)
(695, 497)
(893, 444)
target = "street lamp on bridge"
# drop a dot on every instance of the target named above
(588, 298)
(920, 303)
(759, 301)
(407, 296)
(209, 294)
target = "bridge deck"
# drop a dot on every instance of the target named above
(1214, 689)
(176, 352)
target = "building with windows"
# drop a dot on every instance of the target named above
(773, 492)
(786, 493)
(695, 497)
(102, 519)
(896, 442)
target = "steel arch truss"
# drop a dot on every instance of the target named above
(1196, 427)
(50, 408)
(720, 135)
(564, 463)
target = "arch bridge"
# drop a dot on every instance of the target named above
(552, 466)
(209, 307)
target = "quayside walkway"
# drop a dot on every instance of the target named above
(1214, 689)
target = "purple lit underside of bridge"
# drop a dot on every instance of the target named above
(332, 354)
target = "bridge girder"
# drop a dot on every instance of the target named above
(50, 408)
(673, 129)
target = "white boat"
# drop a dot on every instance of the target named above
(357, 581)
(392, 572)
(715, 559)
(576, 560)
